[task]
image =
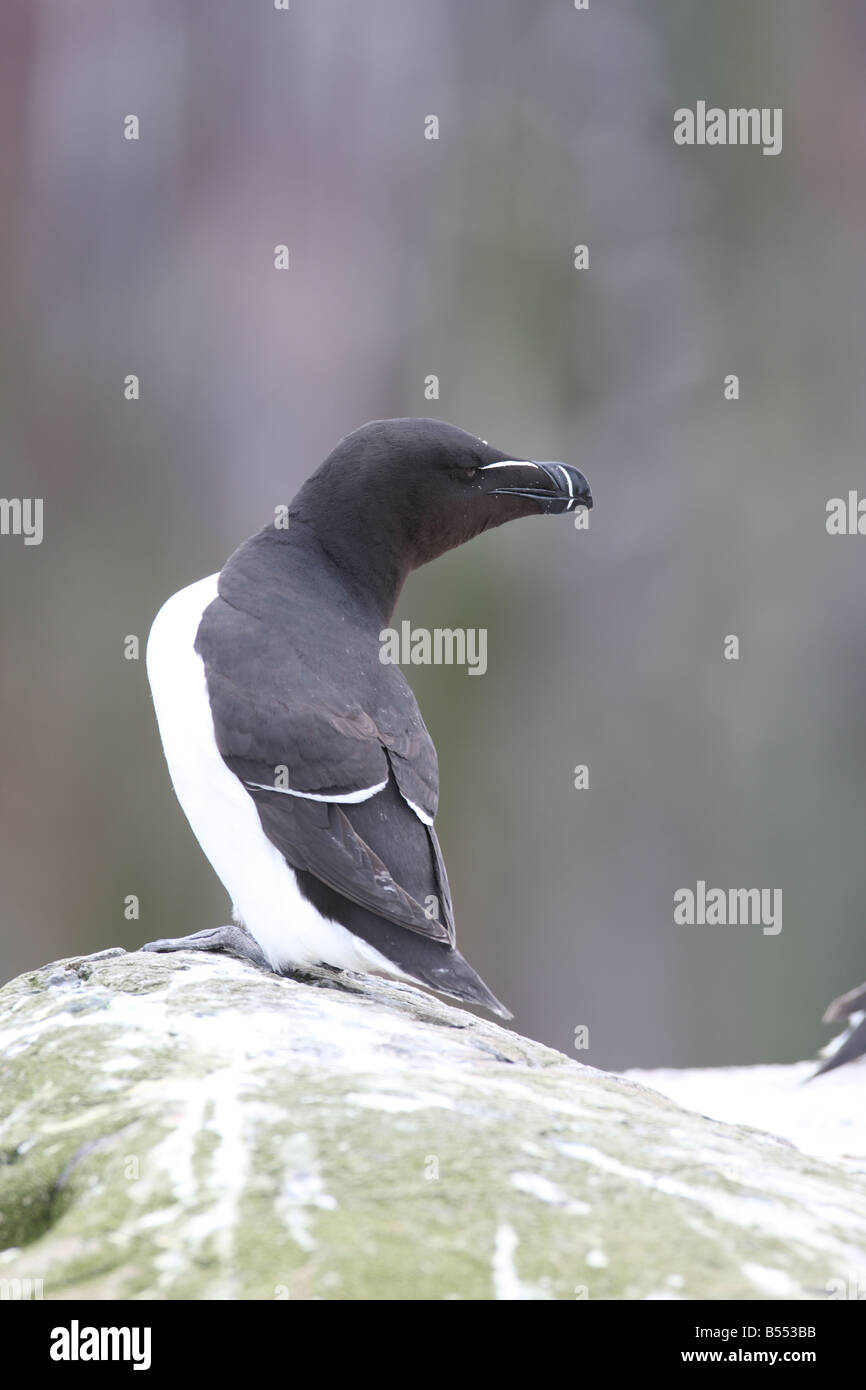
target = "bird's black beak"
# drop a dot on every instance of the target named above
(556, 487)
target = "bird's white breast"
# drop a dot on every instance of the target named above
(223, 816)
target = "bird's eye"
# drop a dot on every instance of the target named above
(470, 472)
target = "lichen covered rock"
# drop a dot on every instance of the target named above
(191, 1127)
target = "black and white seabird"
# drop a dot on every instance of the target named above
(301, 759)
(850, 1009)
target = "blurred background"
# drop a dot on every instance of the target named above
(412, 257)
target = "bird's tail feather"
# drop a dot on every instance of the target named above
(454, 976)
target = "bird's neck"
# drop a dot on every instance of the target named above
(365, 572)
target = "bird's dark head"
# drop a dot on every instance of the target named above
(423, 486)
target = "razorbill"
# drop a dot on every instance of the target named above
(849, 1008)
(299, 757)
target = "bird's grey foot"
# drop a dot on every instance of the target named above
(230, 938)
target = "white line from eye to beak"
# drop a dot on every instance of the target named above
(509, 463)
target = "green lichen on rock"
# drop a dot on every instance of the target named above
(190, 1127)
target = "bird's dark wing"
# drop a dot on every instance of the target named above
(411, 753)
(301, 748)
(333, 842)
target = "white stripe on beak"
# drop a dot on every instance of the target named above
(567, 476)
